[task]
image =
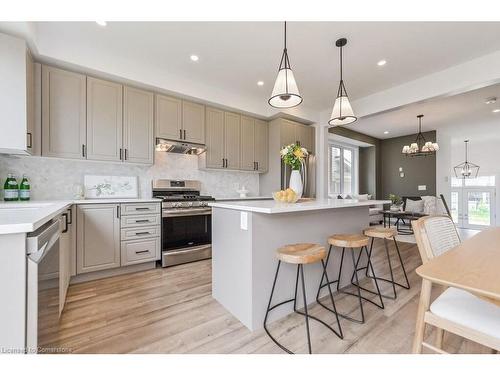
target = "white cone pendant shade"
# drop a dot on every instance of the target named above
(342, 113)
(285, 92)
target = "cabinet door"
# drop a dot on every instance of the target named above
(30, 103)
(247, 140)
(63, 113)
(215, 138)
(304, 136)
(232, 131)
(104, 120)
(261, 145)
(98, 237)
(193, 122)
(287, 133)
(138, 126)
(168, 117)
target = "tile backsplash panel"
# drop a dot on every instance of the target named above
(53, 178)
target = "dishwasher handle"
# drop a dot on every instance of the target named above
(39, 243)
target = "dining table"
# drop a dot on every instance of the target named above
(473, 266)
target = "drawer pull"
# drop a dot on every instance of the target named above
(142, 208)
(142, 233)
(142, 221)
(142, 252)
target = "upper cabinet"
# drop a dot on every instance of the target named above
(180, 120)
(235, 142)
(293, 132)
(168, 117)
(104, 120)
(18, 110)
(64, 106)
(89, 118)
(138, 124)
(193, 122)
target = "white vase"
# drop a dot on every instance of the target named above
(296, 183)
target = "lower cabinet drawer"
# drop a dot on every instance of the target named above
(140, 220)
(139, 233)
(140, 251)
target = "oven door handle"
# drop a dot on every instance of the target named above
(189, 212)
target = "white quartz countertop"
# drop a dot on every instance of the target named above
(234, 199)
(24, 217)
(272, 207)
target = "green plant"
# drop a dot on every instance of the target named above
(395, 199)
(293, 155)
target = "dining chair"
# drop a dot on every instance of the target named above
(454, 310)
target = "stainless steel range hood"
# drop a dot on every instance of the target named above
(179, 147)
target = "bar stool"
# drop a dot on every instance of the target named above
(351, 242)
(386, 234)
(301, 254)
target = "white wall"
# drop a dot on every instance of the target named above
(53, 178)
(484, 150)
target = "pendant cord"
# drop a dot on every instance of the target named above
(341, 64)
(285, 35)
(466, 149)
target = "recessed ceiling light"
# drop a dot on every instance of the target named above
(496, 110)
(101, 23)
(386, 132)
(382, 63)
(491, 100)
(194, 58)
(260, 83)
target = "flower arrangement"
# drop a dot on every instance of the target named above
(293, 155)
(395, 199)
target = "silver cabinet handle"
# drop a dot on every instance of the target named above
(142, 252)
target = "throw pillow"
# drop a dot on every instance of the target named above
(414, 206)
(430, 205)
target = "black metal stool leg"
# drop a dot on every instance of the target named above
(402, 265)
(359, 289)
(390, 268)
(305, 307)
(375, 279)
(323, 275)
(340, 269)
(369, 255)
(339, 334)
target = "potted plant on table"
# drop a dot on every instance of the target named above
(294, 156)
(396, 202)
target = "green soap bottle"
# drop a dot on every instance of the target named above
(11, 189)
(24, 189)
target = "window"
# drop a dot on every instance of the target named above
(342, 170)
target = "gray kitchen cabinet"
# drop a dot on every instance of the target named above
(214, 156)
(104, 120)
(287, 133)
(138, 125)
(293, 132)
(247, 140)
(232, 131)
(63, 113)
(98, 237)
(168, 117)
(30, 103)
(67, 250)
(193, 122)
(305, 136)
(261, 148)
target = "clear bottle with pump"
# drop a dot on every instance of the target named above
(24, 189)
(11, 188)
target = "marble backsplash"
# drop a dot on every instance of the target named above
(53, 178)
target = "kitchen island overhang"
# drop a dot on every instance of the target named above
(245, 236)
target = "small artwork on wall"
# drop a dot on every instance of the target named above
(97, 187)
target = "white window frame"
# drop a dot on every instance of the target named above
(355, 168)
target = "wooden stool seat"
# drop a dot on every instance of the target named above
(380, 232)
(301, 253)
(348, 240)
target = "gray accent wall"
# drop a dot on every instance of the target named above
(417, 170)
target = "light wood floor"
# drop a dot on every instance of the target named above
(172, 311)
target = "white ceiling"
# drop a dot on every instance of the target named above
(438, 112)
(235, 55)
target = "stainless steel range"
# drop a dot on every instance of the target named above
(186, 221)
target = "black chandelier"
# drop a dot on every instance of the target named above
(466, 169)
(420, 147)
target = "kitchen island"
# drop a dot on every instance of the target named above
(245, 236)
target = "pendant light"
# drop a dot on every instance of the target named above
(342, 113)
(285, 92)
(466, 169)
(420, 147)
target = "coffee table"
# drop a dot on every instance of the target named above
(401, 216)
